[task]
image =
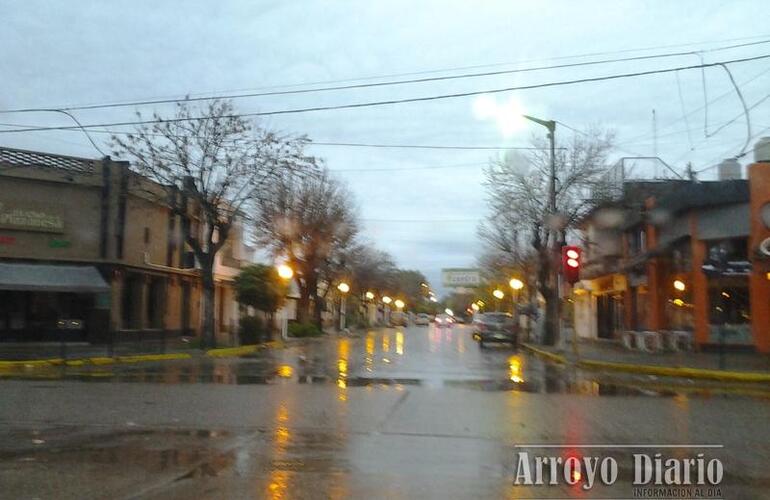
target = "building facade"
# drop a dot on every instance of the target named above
(680, 255)
(87, 253)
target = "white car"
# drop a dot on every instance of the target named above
(443, 320)
(422, 319)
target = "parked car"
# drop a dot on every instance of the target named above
(495, 327)
(443, 320)
(422, 319)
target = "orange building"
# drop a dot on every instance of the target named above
(681, 255)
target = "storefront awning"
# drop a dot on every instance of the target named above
(51, 278)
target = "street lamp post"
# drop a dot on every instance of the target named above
(344, 288)
(516, 284)
(498, 294)
(286, 273)
(387, 300)
(551, 126)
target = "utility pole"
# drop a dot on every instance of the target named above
(551, 126)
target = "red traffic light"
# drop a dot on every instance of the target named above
(570, 262)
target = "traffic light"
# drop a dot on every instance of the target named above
(570, 262)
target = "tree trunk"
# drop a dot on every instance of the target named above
(548, 290)
(209, 323)
(304, 304)
(317, 309)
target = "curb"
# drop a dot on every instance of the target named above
(226, 352)
(550, 356)
(221, 352)
(96, 361)
(662, 371)
(666, 371)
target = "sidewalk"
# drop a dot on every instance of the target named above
(606, 355)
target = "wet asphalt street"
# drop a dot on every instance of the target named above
(412, 413)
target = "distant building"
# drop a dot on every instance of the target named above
(86, 253)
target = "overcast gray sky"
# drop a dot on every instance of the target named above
(62, 53)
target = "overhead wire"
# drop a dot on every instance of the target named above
(410, 99)
(379, 84)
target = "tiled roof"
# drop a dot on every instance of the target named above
(22, 158)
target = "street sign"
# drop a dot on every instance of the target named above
(457, 277)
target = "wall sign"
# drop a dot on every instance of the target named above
(30, 218)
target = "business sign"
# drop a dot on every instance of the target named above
(453, 278)
(30, 218)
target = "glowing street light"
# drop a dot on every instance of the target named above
(344, 288)
(285, 272)
(369, 295)
(679, 285)
(516, 284)
(449, 311)
(386, 300)
(475, 307)
(498, 294)
(433, 298)
(399, 303)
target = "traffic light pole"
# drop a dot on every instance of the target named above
(554, 274)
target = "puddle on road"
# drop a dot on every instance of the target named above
(515, 373)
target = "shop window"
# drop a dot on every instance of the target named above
(729, 305)
(637, 241)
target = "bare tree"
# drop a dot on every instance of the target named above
(208, 164)
(517, 188)
(368, 268)
(309, 221)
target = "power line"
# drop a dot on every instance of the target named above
(381, 84)
(411, 99)
(730, 92)
(223, 95)
(422, 146)
(343, 144)
(397, 169)
(399, 221)
(723, 155)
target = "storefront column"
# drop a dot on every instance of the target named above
(759, 282)
(700, 287)
(658, 290)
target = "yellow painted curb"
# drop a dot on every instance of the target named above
(138, 358)
(667, 371)
(225, 352)
(152, 357)
(38, 363)
(31, 363)
(556, 358)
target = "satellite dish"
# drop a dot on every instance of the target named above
(764, 247)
